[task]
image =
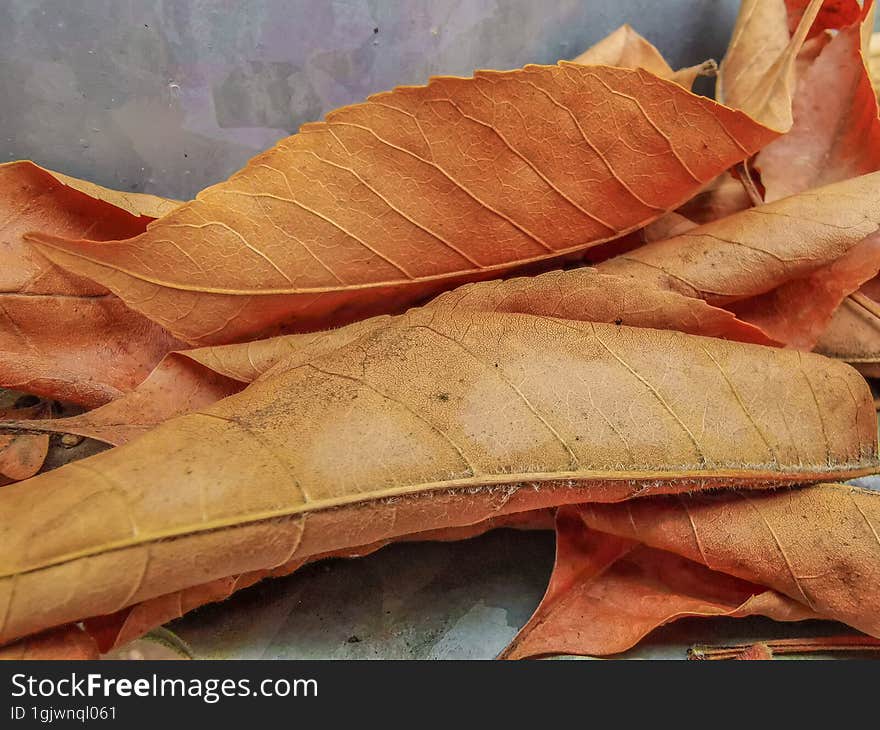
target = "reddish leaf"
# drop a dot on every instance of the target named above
(607, 593)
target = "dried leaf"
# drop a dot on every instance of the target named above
(607, 593)
(118, 629)
(854, 336)
(186, 381)
(396, 199)
(766, 649)
(757, 250)
(440, 418)
(757, 74)
(836, 131)
(817, 545)
(625, 48)
(64, 643)
(22, 455)
(799, 311)
(62, 336)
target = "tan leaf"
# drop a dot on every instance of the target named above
(757, 74)
(415, 191)
(607, 593)
(625, 48)
(828, 234)
(185, 381)
(854, 335)
(62, 336)
(441, 418)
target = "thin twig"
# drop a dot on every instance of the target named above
(745, 177)
(866, 303)
(788, 646)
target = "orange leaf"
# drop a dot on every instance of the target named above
(22, 455)
(62, 643)
(416, 190)
(799, 311)
(62, 336)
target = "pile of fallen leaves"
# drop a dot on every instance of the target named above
(576, 296)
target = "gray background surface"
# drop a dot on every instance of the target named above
(169, 96)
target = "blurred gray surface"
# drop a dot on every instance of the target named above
(169, 96)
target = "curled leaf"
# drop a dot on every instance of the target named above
(62, 336)
(757, 74)
(784, 266)
(817, 545)
(607, 593)
(836, 130)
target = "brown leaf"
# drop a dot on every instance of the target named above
(817, 545)
(757, 74)
(828, 234)
(415, 191)
(836, 131)
(440, 418)
(186, 381)
(607, 593)
(62, 336)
